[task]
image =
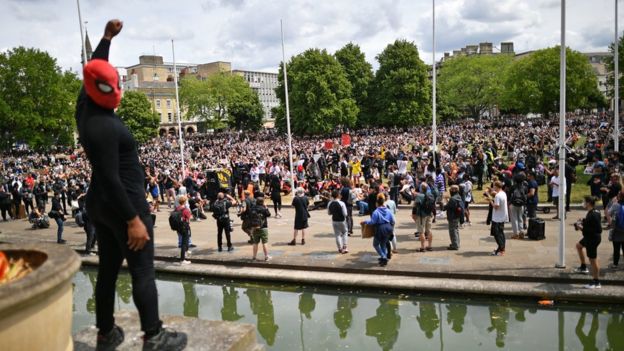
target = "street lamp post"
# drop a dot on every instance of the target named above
(434, 129)
(562, 140)
(616, 92)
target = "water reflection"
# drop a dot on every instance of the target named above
(384, 326)
(294, 318)
(262, 306)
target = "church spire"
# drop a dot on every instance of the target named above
(88, 48)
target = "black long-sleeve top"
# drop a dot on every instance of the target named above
(117, 177)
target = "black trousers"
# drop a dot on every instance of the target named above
(89, 229)
(28, 205)
(350, 219)
(224, 226)
(185, 235)
(112, 239)
(617, 247)
(6, 209)
(496, 231)
(568, 193)
(531, 210)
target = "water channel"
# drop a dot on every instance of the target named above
(289, 317)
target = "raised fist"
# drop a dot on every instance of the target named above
(113, 27)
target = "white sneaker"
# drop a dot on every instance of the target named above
(185, 262)
(593, 285)
(267, 258)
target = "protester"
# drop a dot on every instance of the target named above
(616, 234)
(498, 200)
(383, 221)
(454, 210)
(591, 228)
(184, 228)
(338, 212)
(300, 203)
(221, 214)
(59, 217)
(258, 217)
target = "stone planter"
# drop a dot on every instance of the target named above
(36, 310)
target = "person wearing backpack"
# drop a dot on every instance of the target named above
(518, 201)
(422, 214)
(338, 211)
(616, 235)
(454, 211)
(258, 215)
(180, 221)
(221, 214)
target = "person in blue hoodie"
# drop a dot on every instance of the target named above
(383, 220)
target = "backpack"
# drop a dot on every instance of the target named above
(345, 195)
(519, 195)
(619, 219)
(175, 220)
(219, 209)
(427, 206)
(255, 216)
(336, 211)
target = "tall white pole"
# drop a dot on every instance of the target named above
(434, 127)
(82, 40)
(175, 81)
(616, 92)
(562, 141)
(290, 153)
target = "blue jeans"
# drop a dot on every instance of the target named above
(362, 207)
(59, 231)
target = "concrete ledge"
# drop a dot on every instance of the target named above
(202, 334)
(519, 289)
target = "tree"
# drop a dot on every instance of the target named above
(359, 73)
(222, 100)
(532, 83)
(37, 100)
(401, 91)
(473, 84)
(136, 112)
(319, 92)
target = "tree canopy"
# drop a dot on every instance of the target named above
(359, 73)
(320, 95)
(37, 99)
(473, 84)
(401, 91)
(136, 112)
(532, 83)
(222, 100)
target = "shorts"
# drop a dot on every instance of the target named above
(423, 224)
(591, 246)
(260, 234)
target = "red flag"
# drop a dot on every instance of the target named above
(346, 140)
(329, 144)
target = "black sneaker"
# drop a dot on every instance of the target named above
(62, 241)
(220, 249)
(230, 249)
(111, 340)
(192, 246)
(165, 340)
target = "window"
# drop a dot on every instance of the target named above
(169, 117)
(158, 103)
(169, 104)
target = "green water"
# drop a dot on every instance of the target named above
(292, 318)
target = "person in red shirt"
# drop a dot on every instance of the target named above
(185, 231)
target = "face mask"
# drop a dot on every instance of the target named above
(101, 82)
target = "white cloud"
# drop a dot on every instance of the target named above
(246, 32)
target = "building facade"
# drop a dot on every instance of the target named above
(263, 84)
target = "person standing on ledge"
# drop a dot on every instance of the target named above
(117, 206)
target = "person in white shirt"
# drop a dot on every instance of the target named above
(402, 165)
(500, 215)
(555, 184)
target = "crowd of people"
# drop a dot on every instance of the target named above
(370, 174)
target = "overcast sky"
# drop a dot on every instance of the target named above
(247, 32)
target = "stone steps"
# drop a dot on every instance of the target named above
(202, 334)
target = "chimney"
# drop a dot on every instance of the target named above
(485, 48)
(507, 47)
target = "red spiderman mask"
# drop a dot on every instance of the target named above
(101, 83)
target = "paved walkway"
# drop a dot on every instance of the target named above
(525, 261)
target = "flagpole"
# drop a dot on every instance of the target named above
(562, 140)
(82, 40)
(290, 153)
(434, 127)
(175, 81)
(616, 95)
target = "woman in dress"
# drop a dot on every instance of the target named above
(300, 203)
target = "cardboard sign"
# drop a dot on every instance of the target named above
(368, 231)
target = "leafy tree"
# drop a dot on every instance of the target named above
(359, 73)
(37, 99)
(136, 112)
(473, 84)
(319, 92)
(532, 83)
(222, 100)
(401, 91)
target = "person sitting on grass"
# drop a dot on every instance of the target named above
(591, 229)
(260, 232)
